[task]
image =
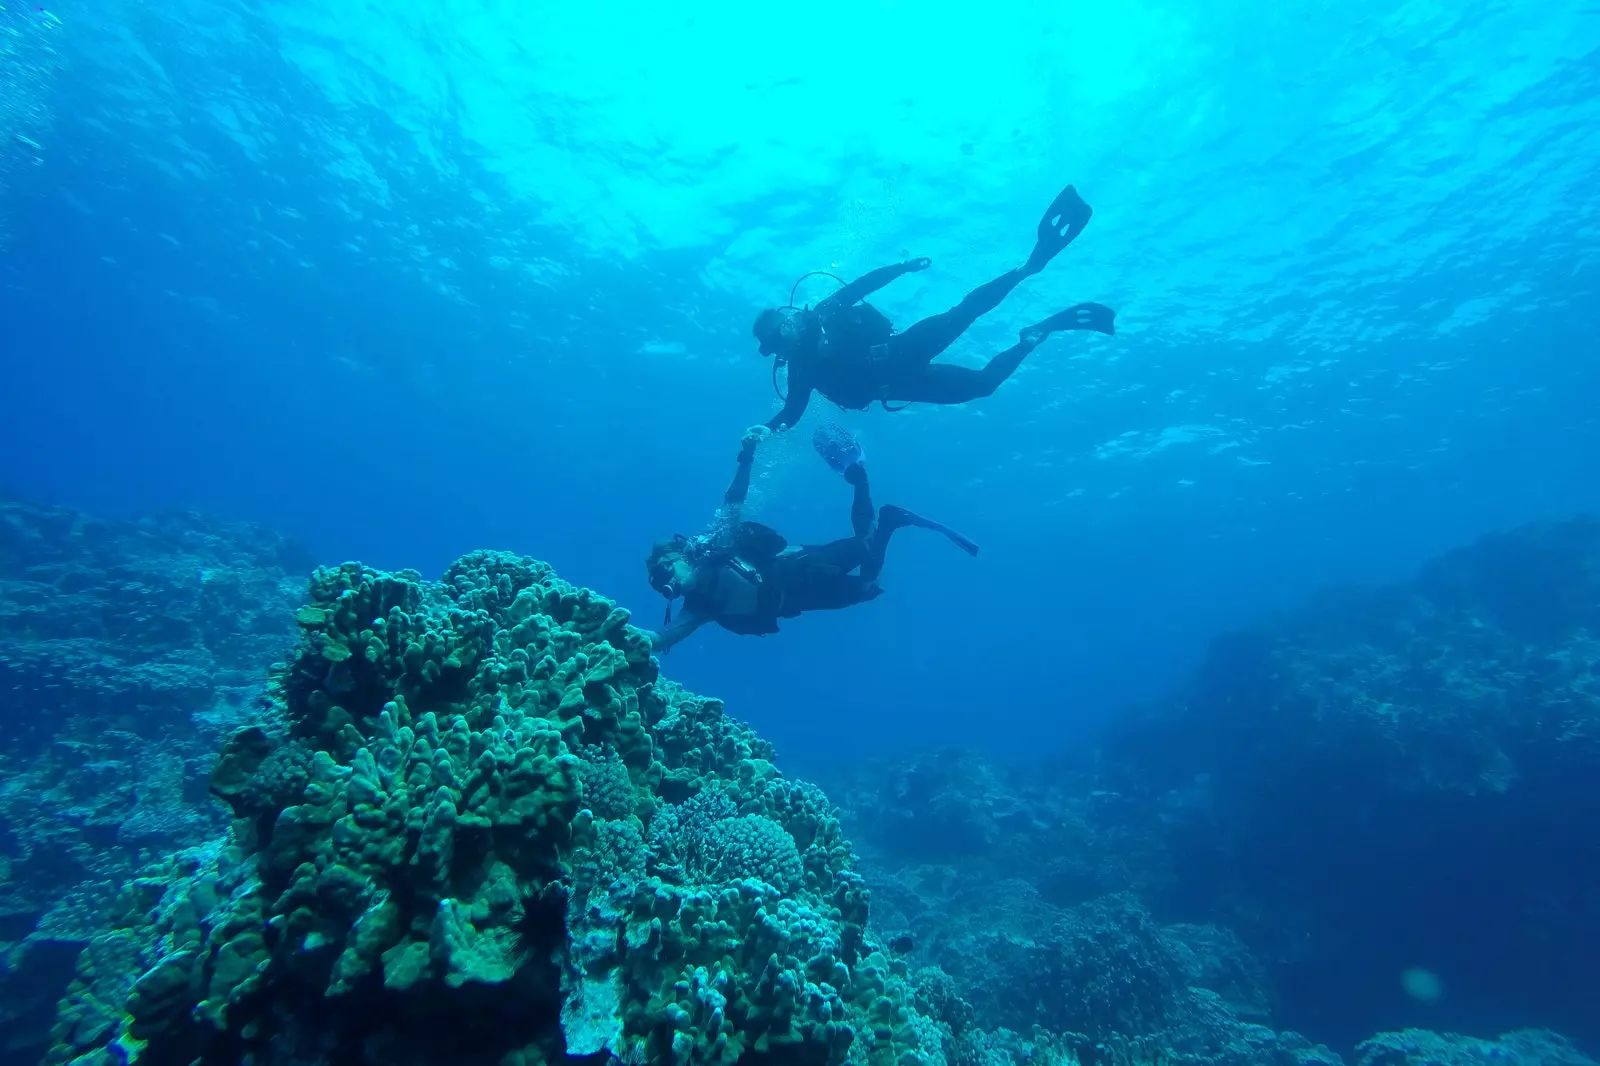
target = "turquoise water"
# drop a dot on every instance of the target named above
(404, 280)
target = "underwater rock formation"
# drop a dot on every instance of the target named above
(134, 625)
(1419, 1047)
(1373, 811)
(1033, 914)
(1477, 679)
(1398, 779)
(127, 649)
(1053, 826)
(470, 823)
(484, 830)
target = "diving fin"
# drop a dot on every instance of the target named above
(964, 543)
(838, 447)
(1063, 220)
(897, 517)
(1094, 317)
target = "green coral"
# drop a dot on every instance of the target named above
(607, 784)
(749, 846)
(485, 805)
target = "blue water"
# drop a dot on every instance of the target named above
(404, 280)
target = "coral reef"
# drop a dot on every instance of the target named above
(997, 932)
(481, 803)
(134, 625)
(1355, 784)
(127, 649)
(1383, 783)
(1054, 825)
(1419, 1047)
(1476, 679)
(467, 821)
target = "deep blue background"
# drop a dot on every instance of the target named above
(159, 352)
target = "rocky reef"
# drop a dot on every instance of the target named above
(1398, 779)
(1023, 893)
(1372, 812)
(479, 827)
(127, 650)
(467, 821)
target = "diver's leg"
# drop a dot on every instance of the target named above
(891, 518)
(869, 541)
(942, 383)
(1063, 220)
(924, 340)
(945, 384)
(846, 553)
(877, 545)
(841, 590)
(822, 580)
(818, 577)
(861, 501)
(840, 555)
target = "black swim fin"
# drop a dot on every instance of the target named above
(895, 517)
(1097, 318)
(1063, 220)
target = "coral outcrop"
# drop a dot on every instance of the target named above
(486, 830)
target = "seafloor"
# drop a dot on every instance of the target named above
(256, 813)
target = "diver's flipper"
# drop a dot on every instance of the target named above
(964, 543)
(894, 517)
(1096, 317)
(1063, 220)
(838, 448)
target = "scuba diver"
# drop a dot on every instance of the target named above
(745, 576)
(849, 351)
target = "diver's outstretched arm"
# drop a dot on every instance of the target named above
(662, 642)
(739, 487)
(872, 281)
(795, 406)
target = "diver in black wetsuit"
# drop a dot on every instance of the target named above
(849, 352)
(744, 576)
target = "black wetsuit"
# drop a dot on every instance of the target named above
(853, 368)
(749, 577)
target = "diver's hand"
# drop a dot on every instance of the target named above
(919, 263)
(752, 437)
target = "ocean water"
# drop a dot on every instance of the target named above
(400, 281)
(405, 280)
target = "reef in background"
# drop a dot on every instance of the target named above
(471, 824)
(1401, 779)
(128, 650)
(1373, 812)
